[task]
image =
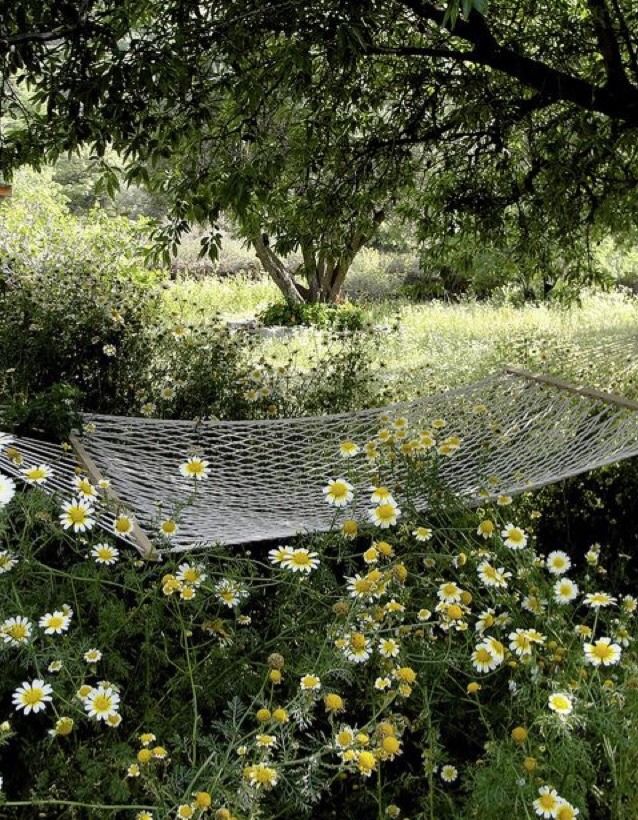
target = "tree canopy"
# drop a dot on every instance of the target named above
(514, 121)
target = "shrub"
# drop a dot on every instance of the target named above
(78, 308)
(202, 369)
(49, 414)
(75, 299)
(345, 317)
(432, 667)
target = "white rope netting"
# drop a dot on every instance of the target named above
(266, 477)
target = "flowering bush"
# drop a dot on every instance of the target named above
(73, 292)
(401, 665)
(84, 325)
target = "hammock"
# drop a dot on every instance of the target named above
(520, 431)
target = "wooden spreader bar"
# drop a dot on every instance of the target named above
(552, 381)
(142, 541)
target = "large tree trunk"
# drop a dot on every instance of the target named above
(322, 272)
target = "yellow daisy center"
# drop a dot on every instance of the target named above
(32, 696)
(102, 703)
(602, 651)
(385, 512)
(77, 515)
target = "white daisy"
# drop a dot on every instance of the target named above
(348, 449)
(547, 802)
(37, 475)
(301, 560)
(195, 468)
(358, 647)
(7, 490)
(597, 600)
(565, 590)
(514, 537)
(32, 696)
(192, 574)
(122, 524)
(561, 703)
(381, 495)
(102, 703)
(384, 515)
(279, 554)
(558, 562)
(229, 592)
(484, 659)
(84, 488)
(602, 653)
(338, 492)
(492, 576)
(389, 648)
(16, 631)
(7, 561)
(310, 683)
(55, 623)
(77, 515)
(105, 554)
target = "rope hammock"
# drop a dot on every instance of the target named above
(520, 431)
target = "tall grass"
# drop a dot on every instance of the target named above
(234, 297)
(437, 344)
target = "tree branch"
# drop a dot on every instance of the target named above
(607, 43)
(629, 43)
(418, 51)
(619, 103)
(38, 36)
(275, 268)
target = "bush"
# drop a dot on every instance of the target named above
(75, 299)
(50, 414)
(438, 667)
(294, 314)
(84, 326)
(202, 369)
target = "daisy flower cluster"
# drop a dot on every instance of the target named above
(185, 582)
(420, 650)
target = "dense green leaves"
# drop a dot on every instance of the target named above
(514, 122)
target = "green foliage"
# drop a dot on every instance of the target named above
(310, 125)
(191, 647)
(73, 293)
(293, 314)
(50, 414)
(84, 325)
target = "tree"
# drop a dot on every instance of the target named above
(515, 120)
(284, 173)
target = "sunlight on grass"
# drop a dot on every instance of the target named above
(438, 345)
(234, 297)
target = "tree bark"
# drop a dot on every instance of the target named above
(275, 268)
(324, 272)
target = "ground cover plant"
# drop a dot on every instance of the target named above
(261, 210)
(399, 666)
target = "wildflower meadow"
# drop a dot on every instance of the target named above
(318, 410)
(446, 665)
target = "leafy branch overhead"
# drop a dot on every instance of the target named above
(310, 122)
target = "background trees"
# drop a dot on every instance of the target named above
(508, 123)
